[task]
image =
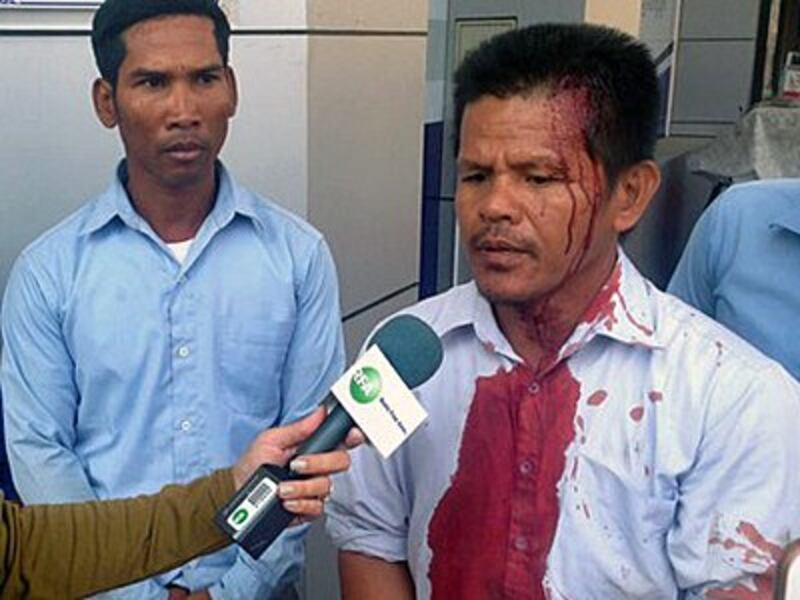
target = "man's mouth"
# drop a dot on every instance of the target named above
(498, 245)
(185, 151)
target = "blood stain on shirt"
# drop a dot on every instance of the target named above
(655, 396)
(756, 551)
(636, 413)
(640, 326)
(597, 398)
(521, 510)
(740, 591)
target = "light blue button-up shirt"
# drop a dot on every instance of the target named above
(124, 370)
(741, 266)
(680, 477)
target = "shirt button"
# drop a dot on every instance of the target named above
(521, 543)
(186, 425)
(183, 351)
(526, 467)
(533, 388)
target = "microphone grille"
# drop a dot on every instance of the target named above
(412, 347)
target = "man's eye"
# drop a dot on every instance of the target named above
(152, 82)
(206, 78)
(542, 179)
(473, 177)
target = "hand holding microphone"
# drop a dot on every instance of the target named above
(277, 446)
(403, 354)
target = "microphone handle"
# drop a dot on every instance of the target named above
(330, 434)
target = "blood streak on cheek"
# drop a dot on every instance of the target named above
(506, 429)
(571, 112)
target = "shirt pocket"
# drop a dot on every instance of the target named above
(251, 366)
(628, 495)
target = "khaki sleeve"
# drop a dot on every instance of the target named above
(74, 550)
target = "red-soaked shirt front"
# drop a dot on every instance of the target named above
(514, 421)
(653, 457)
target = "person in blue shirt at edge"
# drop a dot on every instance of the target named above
(589, 436)
(740, 266)
(152, 334)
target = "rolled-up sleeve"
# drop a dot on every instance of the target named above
(369, 508)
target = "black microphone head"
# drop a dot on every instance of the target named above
(412, 347)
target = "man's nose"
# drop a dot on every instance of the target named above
(183, 107)
(500, 202)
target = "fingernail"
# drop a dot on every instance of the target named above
(299, 465)
(285, 490)
(291, 505)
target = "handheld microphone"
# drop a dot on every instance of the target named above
(255, 516)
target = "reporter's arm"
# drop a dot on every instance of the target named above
(73, 550)
(365, 577)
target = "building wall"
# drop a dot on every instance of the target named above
(714, 67)
(625, 15)
(366, 101)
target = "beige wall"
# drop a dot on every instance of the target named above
(622, 14)
(366, 97)
(368, 14)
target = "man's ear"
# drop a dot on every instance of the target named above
(234, 92)
(104, 106)
(632, 193)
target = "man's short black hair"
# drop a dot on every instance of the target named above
(115, 16)
(614, 70)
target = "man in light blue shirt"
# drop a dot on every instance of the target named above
(741, 266)
(589, 437)
(153, 333)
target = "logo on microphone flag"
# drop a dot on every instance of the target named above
(365, 385)
(379, 401)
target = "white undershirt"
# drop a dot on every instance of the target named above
(181, 249)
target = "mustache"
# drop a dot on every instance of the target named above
(498, 237)
(184, 142)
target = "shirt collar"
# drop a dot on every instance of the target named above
(115, 203)
(621, 311)
(789, 219)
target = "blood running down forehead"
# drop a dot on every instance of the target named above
(574, 116)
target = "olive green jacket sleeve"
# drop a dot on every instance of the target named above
(74, 550)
